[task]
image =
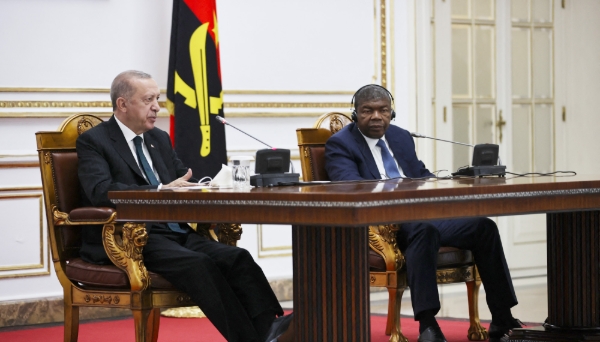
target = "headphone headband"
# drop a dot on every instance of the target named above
(353, 105)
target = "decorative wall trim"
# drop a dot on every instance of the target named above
(164, 114)
(262, 249)
(289, 92)
(229, 114)
(16, 165)
(21, 188)
(383, 42)
(57, 104)
(13, 115)
(286, 104)
(52, 90)
(108, 104)
(363, 204)
(226, 92)
(41, 265)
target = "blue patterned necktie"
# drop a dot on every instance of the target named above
(137, 141)
(388, 161)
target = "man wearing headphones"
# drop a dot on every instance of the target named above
(371, 148)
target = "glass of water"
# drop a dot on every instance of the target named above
(240, 171)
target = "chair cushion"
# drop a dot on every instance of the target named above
(452, 257)
(376, 262)
(448, 257)
(109, 276)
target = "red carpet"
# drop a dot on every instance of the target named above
(201, 330)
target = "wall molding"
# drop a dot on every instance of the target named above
(164, 114)
(17, 165)
(44, 264)
(108, 104)
(21, 188)
(225, 92)
(271, 252)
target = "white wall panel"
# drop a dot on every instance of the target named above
(309, 44)
(68, 43)
(21, 249)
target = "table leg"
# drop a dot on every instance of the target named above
(573, 280)
(331, 284)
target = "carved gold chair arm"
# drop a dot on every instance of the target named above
(125, 251)
(226, 233)
(229, 233)
(382, 240)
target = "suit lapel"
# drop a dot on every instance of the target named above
(121, 146)
(157, 160)
(366, 152)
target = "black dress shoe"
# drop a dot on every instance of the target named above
(501, 332)
(279, 326)
(432, 334)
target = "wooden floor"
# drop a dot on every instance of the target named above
(531, 294)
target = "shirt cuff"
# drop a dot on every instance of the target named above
(159, 186)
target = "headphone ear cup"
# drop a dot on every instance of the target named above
(393, 114)
(354, 116)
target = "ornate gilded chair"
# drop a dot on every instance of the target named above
(126, 283)
(386, 262)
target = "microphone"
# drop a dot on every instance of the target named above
(481, 164)
(224, 122)
(418, 135)
(268, 163)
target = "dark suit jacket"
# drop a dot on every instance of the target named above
(106, 163)
(348, 156)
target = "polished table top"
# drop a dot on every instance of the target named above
(365, 202)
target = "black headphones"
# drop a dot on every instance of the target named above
(355, 116)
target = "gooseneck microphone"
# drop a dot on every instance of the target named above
(224, 122)
(418, 135)
(486, 160)
(268, 163)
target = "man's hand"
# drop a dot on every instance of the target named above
(182, 181)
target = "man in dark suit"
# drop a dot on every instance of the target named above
(371, 148)
(128, 152)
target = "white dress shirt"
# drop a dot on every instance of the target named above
(376, 151)
(129, 136)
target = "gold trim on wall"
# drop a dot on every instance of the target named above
(22, 188)
(39, 196)
(270, 249)
(108, 104)
(383, 43)
(15, 165)
(52, 90)
(273, 115)
(286, 104)
(164, 114)
(23, 275)
(226, 92)
(288, 92)
(55, 104)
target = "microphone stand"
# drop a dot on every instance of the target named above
(280, 177)
(417, 135)
(475, 170)
(224, 122)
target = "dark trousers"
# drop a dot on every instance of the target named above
(420, 242)
(224, 281)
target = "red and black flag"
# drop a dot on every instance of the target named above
(194, 91)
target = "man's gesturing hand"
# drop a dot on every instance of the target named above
(182, 181)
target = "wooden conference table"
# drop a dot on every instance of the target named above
(330, 238)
